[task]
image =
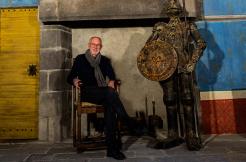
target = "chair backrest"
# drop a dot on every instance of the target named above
(117, 85)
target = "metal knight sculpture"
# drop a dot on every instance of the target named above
(169, 56)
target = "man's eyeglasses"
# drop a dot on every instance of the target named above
(95, 45)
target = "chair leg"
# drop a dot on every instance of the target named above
(79, 127)
(74, 127)
(88, 126)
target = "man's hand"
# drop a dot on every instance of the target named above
(111, 84)
(77, 82)
(190, 67)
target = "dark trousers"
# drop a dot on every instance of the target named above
(109, 98)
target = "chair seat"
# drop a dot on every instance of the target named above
(89, 108)
(89, 104)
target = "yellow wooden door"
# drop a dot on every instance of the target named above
(19, 49)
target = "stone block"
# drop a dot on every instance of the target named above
(58, 80)
(43, 129)
(53, 36)
(55, 115)
(66, 39)
(49, 9)
(55, 59)
(43, 81)
(56, 27)
(66, 120)
(109, 9)
(54, 128)
(49, 38)
(50, 104)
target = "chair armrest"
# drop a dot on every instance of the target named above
(76, 95)
(117, 82)
(117, 85)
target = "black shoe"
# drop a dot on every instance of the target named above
(116, 155)
(194, 144)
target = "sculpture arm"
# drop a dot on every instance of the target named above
(200, 46)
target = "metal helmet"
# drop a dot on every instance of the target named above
(174, 8)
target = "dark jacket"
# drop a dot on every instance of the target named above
(83, 70)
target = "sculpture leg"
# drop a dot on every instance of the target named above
(187, 98)
(171, 102)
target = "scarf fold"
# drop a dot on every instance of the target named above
(94, 62)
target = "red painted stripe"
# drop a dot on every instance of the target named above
(223, 116)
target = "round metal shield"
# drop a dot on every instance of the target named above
(157, 60)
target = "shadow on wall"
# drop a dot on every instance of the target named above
(135, 88)
(131, 78)
(207, 77)
(214, 57)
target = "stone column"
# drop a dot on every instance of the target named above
(55, 93)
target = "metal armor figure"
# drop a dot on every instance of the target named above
(169, 56)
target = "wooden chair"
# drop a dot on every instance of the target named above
(88, 142)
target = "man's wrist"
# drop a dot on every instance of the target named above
(76, 82)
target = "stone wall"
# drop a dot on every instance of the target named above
(55, 99)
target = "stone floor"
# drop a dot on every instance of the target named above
(222, 148)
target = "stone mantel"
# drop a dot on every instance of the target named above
(77, 10)
(63, 33)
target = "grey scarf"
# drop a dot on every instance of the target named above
(94, 62)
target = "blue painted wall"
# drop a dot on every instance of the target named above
(224, 7)
(18, 3)
(223, 64)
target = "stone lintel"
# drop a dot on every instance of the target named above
(76, 10)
